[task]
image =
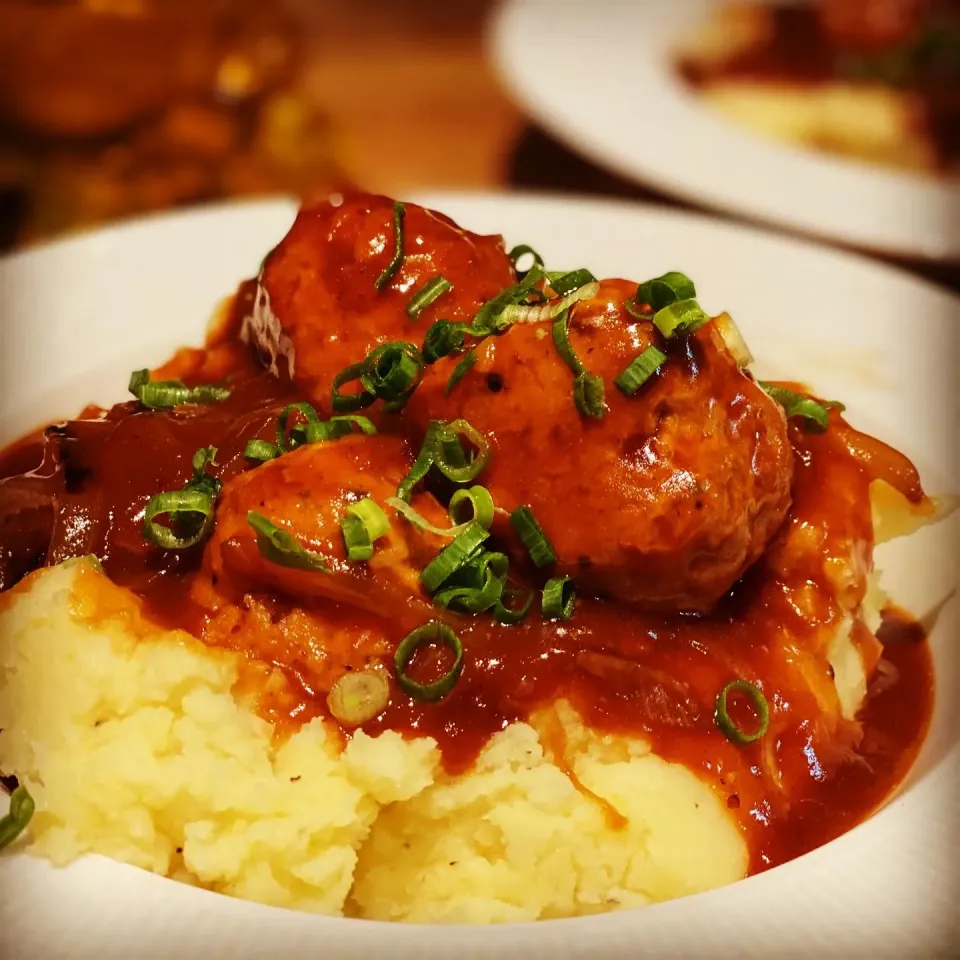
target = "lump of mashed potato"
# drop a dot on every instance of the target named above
(138, 744)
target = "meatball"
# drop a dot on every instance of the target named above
(306, 493)
(318, 310)
(666, 500)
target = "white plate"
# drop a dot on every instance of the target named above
(80, 314)
(599, 77)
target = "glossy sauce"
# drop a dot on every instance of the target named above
(799, 51)
(80, 487)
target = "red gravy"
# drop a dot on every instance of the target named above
(799, 51)
(79, 487)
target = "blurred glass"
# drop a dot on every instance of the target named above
(110, 108)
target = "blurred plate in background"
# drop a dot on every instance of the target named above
(602, 78)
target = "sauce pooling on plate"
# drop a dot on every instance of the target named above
(494, 489)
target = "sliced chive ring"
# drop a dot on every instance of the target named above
(421, 466)
(261, 450)
(635, 311)
(568, 282)
(426, 295)
(815, 415)
(166, 394)
(190, 509)
(356, 540)
(452, 557)
(449, 456)
(487, 573)
(290, 441)
(443, 338)
(481, 506)
(351, 402)
(281, 547)
(371, 515)
(434, 632)
(462, 368)
(726, 724)
(511, 615)
(558, 599)
(524, 250)
(341, 425)
(20, 814)
(489, 318)
(681, 316)
(399, 212)
(639, 371)
(662, 291)
(532, 536)
(588, 389)
(392, 372)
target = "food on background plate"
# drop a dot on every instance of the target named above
(878, 80)
(441, 586)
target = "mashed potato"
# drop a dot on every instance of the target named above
(135, 745)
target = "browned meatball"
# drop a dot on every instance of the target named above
(666, 500)
(318, 309)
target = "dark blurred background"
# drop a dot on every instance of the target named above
(112, 108)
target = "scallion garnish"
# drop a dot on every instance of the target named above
(568, 282)
(640, 370)
(681, 316)
(358, 697)
(190, 509)
(363, 525)
(341, 425)
(423, 463)
(261, 450)
(452, 461)
(351, 402)
(558, 599)
(534, 539)
(452, 557)
(460, 371)
(662, 291)
(481, 506)
(287, 442)
(631, 307)
(488, 318)
(20, 814)
(479, 584)
(429, 292)
(281, 547)
(443, 338)
(588, 389)
(728, 726)
(510, 614)
(166, 394)
(399, 212)
(813, 413)
(429, 634)
(393, 371)
(524, 250)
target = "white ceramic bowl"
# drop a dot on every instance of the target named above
(79, 315)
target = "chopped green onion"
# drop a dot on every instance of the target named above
(569, 282)
(534, 539)
(511, 615)
(399, 212)
(281, 547)
(640, 370)
(429, 292)
(449, 456)
(558, 599)
(545, 310)
(481, 506)
(421, 522)
(284, 443)
(589, 393)
(485, 576)
(524, 250)
(682, 316)
(430, 633)
(350, 402)
(816, 415)
(338, 426)
(421, 466)
(488, 320)
(727, 725)
(635, 311)
(356, 698)
(166, 394)
(190, 509)
(261, 450)
(460, 371)
(443, 338)
(356, 539)
(452, 557)
(393, 371)
(21, 812)
(588, 389)
(662, 291)
(369, 512)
